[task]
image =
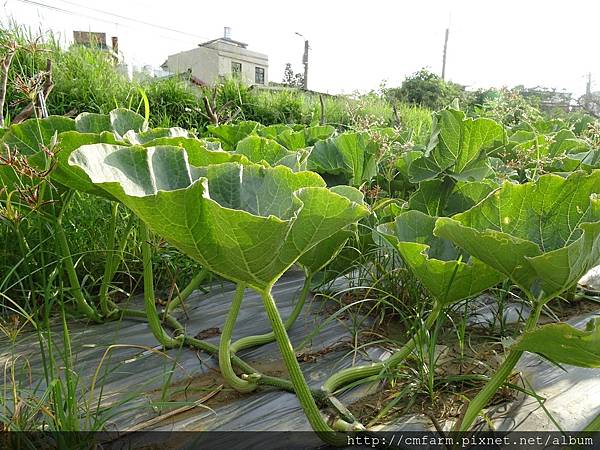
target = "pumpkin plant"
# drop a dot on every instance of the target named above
(247, 223)
(445, 271)
(544, 236)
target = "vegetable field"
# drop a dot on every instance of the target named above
(335, 271)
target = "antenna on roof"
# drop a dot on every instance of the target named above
(227, 32)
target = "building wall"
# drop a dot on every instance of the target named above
(203, 61)
(214, 60)
(248, 59)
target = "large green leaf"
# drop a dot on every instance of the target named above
(258, 149)
(122, 120)
(272, 131)
(31, 136)
(92, 123)
(144, 137)
(292, 140)
(73, 177)
(318, 257)
(199, 151)
(445, 272)
(119, 120)
(431, 196)
(230, 135)
(353, 155)
(29, 139)
(296, 140)
(317, 133)
(564, 344)
(248, 223)
(457, 147)
(585, 160)
(405, 160)
(544, 235)
(565, 141)
(465, 195)
(327, 159)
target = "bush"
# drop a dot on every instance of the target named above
(509, 107)
(426, 89)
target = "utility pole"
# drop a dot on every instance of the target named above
(305, 61)
(588, 86)
(444, 58)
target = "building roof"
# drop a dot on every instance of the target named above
(226, 40)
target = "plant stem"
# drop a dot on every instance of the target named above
(212, 349)
(149, 301)
(25, 252)
(261, 339)
(351, 374)
(301, 388)
(224, 345)
(503, 372)
(263, 380)
(109, 263)
(191, 287)
(67, 261)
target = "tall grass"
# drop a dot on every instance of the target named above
(85, 79)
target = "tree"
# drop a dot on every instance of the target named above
(426, 89)
(292, 79)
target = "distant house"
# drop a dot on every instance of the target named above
(94, 39)
(219, 58)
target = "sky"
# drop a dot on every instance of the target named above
(354, 45)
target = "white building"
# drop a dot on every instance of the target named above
(220, 58)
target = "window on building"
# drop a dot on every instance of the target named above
(259, 75)
(236, 69)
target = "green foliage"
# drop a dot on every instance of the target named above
(86, 80)
(545, 236)
(509, 108)
(265, 213)
(230, 135)
(563, 344)
(350, 158)
(291, 79)
(457, 147)
(174, 102)
(218, 202)
(426, 89)
(444, 270)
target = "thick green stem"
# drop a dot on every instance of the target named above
(261, 339)
(82, 305)
(263, 380)
(149, 301)
(351, 374)
(301, 388)
(109, 263)
(191, 287)
(503, 372)
(224, 345)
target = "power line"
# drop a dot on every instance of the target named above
(134, 20)
(87, 16)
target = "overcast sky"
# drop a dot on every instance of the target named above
(355, 45)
